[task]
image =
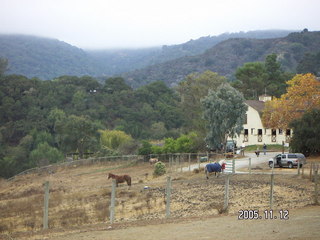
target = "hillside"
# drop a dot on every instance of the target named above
(43, 57)
(228, 55)
(50, 58)
(112, 62)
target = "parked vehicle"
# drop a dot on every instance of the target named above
(231, 146)
(288, 160)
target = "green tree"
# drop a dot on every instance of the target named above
(275, 83)
(310, 64)
(251, 79)
(78, 134)
(224, 111)
(191, 91)
(158, 130)
(159, 169)
(306, 133)
(44, 154)
(145, 148)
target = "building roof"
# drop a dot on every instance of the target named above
(257, 105)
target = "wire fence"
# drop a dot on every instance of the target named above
(174, 196)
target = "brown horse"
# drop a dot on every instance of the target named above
(120, 179)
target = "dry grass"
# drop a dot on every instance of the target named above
(80, 195)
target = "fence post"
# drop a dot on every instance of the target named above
(168, 196)
(316, 187)
(311, 167)
(233, 166)
(113, 200)
(189, 162)
(46, 205)
(271, 191)
(249, 165)
(226, 192)
(198, 159)
(298, 167)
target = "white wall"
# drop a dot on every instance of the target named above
(253, 125)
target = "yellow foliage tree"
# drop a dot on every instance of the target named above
(303, 94)
(113, 139)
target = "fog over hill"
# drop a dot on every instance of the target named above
(46, 58)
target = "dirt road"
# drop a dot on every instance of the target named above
(302, 224)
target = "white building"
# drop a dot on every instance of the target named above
(254, 133)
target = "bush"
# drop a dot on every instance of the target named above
(159, 169)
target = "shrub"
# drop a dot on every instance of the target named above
(159, 169)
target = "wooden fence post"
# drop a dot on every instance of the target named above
(233, 166)
(198, 159)
(316, 186)
(249, 165)
(271, 191)
(298, 167)
(46, 205)
(189, 162)
(168, 196)
(113, 200)
(226, 192)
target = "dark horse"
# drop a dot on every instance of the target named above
(120, 179)
(212, 167)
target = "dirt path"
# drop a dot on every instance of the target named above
(302, 224)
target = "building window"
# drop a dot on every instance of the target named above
(252, 131)
(280, 131)
(259, 131)
(246, 132)
(288, 132)
(273, 132)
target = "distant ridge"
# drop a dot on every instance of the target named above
(225, 57)
(47, 58)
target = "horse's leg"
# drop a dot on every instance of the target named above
(206, 172)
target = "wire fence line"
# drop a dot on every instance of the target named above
(160, 200)
(173, 159)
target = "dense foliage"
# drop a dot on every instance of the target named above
(41, 121)
(225, 113)
(256, 78)
(306, 133)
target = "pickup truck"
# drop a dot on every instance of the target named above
(287, 160)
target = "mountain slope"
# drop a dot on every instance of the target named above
(50, 58)
(226, 56)
(112, 62)
(43, 57)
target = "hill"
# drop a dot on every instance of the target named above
(50, 58)
(228, 55)
(112, 62)
(43, 57)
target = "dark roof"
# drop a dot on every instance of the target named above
(257, 105)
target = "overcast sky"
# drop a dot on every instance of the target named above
(143, 23)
